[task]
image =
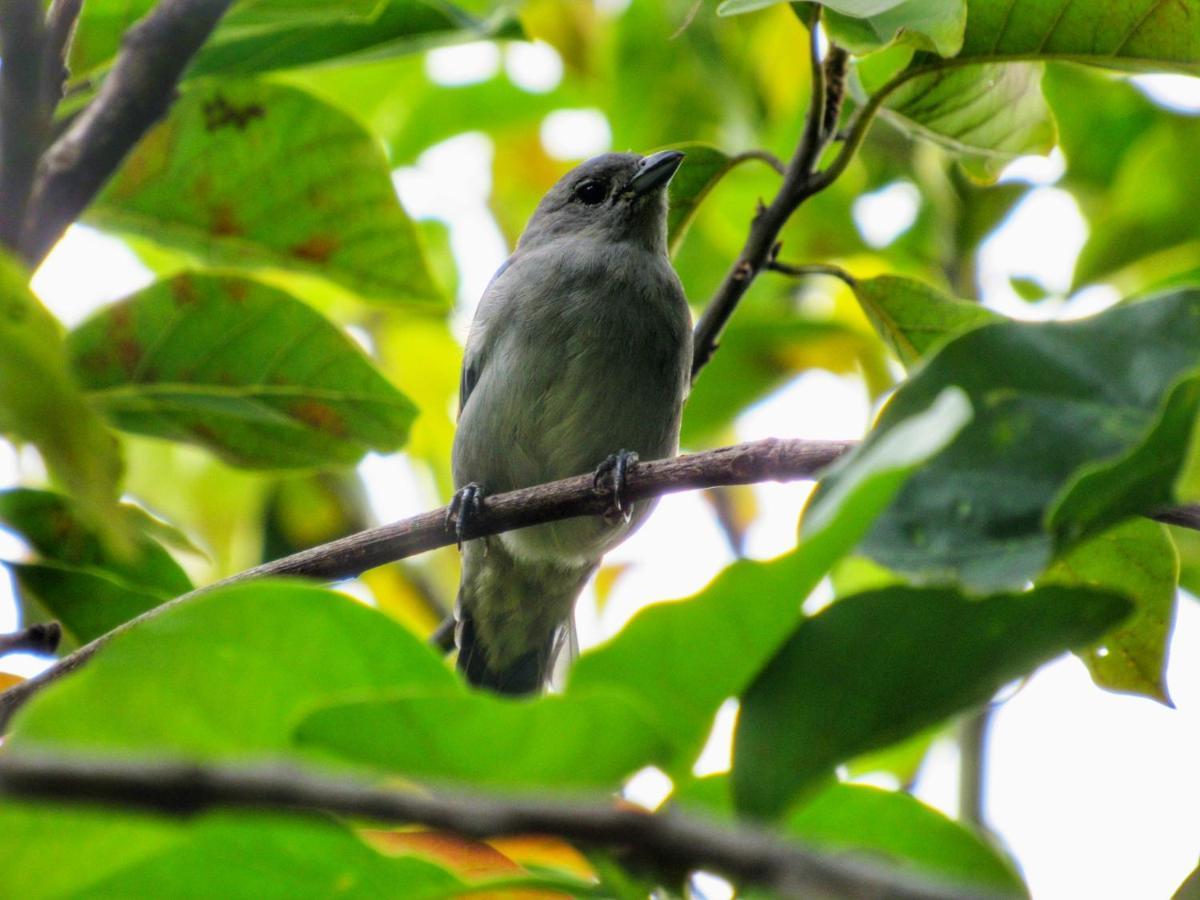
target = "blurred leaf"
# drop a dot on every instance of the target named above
(815, 704)
(243, 369)
(261, 176)
(227, 674)
(702, 168)
(1190, 889)
(1147, 208)
(1029, 289)
(310, 510)
(1137, 559)
(41, 403)
(263, 36)
(1108, 397)
(992, 112)
(55, 851)
(683, 659)
(78, 578)
(914, 318)
(591, 739)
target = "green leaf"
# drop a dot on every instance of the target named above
(260, 176)
(914, 318)
(992, 113)
(855, 818)
(1051, 400)
(587, 740)
(1144, 34)
(683, 659)
(935, 25)
(79, 578)
(41, 403)
(266, 36)
(241, 368)
(1137, 559)
(227, 674)
(49, 851)
(702, 168)
(816, 704)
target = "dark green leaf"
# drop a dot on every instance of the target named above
(41, 403)
(587, 740)
(1137, 559)
(260, 176)
(914, 318)
(1051, 400)
(227, 674)
(880, 666)
(241, 368)
(683, 659)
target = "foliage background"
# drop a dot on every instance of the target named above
(473, 135)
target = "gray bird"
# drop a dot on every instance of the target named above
(580, 354)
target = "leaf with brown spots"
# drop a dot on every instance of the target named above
(260, 177)
(241, 368)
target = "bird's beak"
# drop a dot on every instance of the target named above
(655, 171)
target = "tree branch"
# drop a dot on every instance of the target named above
(663, 841)
(767, 460)
(40, 638)
(798, 185)
(24, 122)
(60, 29)
(135, 95)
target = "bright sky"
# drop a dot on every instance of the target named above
(1098, 795)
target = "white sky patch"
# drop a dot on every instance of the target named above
(1180, 93)
(1040, 239)
(816, 405)
(452, 182)
(1042, 170)
(885, 214)
(463, 63)
(86, 270)
(534, 67)
(574, 134)
(648, 787)
(396, 488)
(717, 755)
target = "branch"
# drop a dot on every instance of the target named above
(23, 118)
(40, 638)
(664, 841)
(767, 460)
(60, 30)
(135, 95)
(798, 185)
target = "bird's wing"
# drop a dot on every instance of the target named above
(477, 345)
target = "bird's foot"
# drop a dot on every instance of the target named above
(465, 506)
(609, 481)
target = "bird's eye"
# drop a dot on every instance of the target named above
(591, 192)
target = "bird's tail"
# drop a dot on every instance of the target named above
(527, 674)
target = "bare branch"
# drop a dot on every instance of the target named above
(798, 185)
(767, 460)
(662, 841)
(24, 122)
(60, 29)
(40, 638)
(135, 95)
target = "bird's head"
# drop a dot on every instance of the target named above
(617, 197)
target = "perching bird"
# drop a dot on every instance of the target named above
(579, 359)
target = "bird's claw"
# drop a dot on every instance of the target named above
(609, 481)
(465, 506)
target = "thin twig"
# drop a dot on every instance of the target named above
(798, 185)
(136, 94)
(40, 638)
(767, 460)
(60, 29)
(763, 155)
(663, 841)
(24, 122)
(811, 269)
